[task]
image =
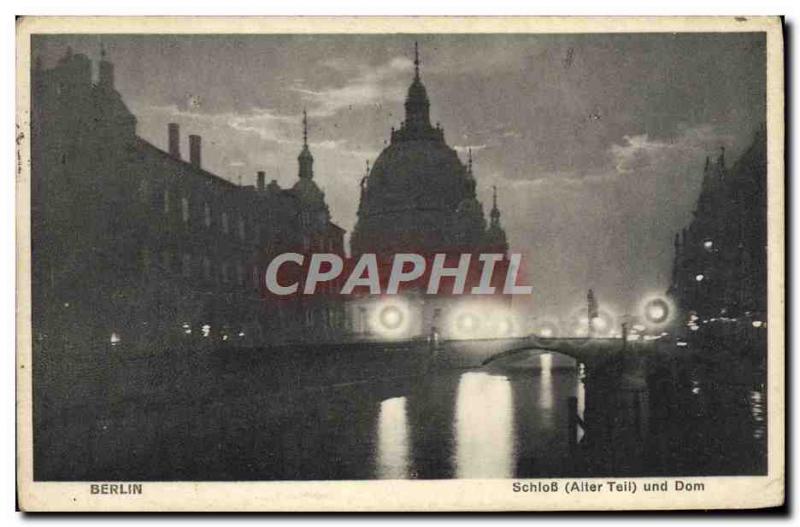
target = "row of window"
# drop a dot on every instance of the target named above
(327, 244)
(189, 266)
(329, 317)
(186, 212)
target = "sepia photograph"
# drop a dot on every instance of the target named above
(467, 264)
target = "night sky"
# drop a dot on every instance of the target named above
(596, 142)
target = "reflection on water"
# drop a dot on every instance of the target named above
(546, 386)
(484, 427)
(580, 394)
(758, 412)
(507, 420)
(393, 444)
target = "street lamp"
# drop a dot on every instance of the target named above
(656, 311)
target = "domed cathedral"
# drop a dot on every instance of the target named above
(419, 197)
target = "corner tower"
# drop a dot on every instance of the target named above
(495, 234)
(305, 160)
(314, 211)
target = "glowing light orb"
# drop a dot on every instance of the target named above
(757, 323)
(467, 322)
(601, 325)
(699, 277)
(656, 311)
(476, 320)
(708, 244)
(547, 329)
(581, 331)
(391, 317)
(504, 327)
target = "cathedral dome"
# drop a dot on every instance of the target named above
(415, 174)
(471, 208)
(469, 225)
(419, 196)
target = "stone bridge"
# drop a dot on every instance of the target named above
(480, 352)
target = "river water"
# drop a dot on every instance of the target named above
(509, 420)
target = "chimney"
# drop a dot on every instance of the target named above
(260, 178)
(194, 150)
(106, 74)
(174, 140)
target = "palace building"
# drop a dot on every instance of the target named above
(132, 243)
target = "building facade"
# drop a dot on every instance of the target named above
(131, 243)
(720, 265)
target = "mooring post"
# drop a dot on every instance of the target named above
(433, 347)
(572, 423)
(624, 336)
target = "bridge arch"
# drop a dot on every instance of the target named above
(586, 350)
(521, 350)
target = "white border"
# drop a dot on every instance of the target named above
(439, 495)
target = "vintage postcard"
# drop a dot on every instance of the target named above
(400, 264)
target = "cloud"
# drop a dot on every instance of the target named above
(262, 122)
(639, 156)
(640, 153)
(609, 229)
(465, 148)
(367, 86)
(566, 181)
